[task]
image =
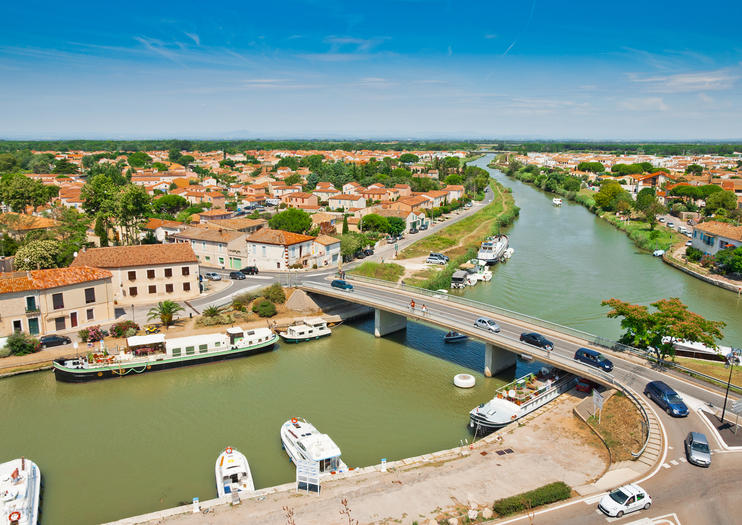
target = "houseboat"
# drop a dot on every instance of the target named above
(518, 399)
(20, 491)
(232, 473)
(491, 250)
(148, 353)
(307, 329)
(303, 442)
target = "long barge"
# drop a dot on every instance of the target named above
(149, 353)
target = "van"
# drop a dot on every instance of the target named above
(666, 398)
(593, 358)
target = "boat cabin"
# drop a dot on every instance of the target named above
(317, 447)
(146, 344)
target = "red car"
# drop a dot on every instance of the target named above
(585, 385)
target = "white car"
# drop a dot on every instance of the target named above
(624, 500)
(213, 276)
(487, 324)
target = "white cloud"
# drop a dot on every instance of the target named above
(195, 38)
(490, 36)
(644, 104)
(687, 82)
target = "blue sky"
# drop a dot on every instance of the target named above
(519, 69)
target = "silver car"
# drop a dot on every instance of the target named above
(697, 449)
(487, 324)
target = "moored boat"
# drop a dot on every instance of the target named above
(303, 442)
(518, 399)
(454, 337)
(307, 329)
(491, 250)
(149, 353)
(556, 201)
(20, 492)
(232, 473)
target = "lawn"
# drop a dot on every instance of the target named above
(385, 271)
(621, 428)
(662, 238)
(711, 368)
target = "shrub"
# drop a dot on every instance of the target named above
(274, 293)
(122, 328)
(693, 254)
(245, 298)
(4, 352)
(94, 334)
(83, 335)
(264, 308)
(130, 332)
(677, 209)
(541, 496)
(20, 343)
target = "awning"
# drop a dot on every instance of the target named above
(139, 340)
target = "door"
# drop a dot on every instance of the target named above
(33, 326)
(73, 319)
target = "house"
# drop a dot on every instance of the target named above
(163, 229)
(326, 251)
(210, 215)
(47, 301)
(455, 191)
(412, 219)
(345, 202)
(300, 199)
(404, 190)
(437, 197)
(414, 203)
(216, 247)
(147, 273)
(352, 188)
(279, 250)
(327, 222)
(240, 224)
(17, 225)
(712, 236)
(324, 194)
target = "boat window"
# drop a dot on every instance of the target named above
(251, 332)
(176, 352)
(203, 348)
(190, 350)
(217, 344)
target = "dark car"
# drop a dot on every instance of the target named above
(536, 339)
(424, 226)
(343, 285)
(250, 270)
(54, 340)
(593, 358)
(237, 275)
(368, 252)
(359, 255)
(413, 231)
(666, 398)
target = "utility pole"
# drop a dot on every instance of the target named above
(731, 359)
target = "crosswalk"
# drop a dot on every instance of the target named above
(667, 519)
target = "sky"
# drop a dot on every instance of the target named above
(523, 69)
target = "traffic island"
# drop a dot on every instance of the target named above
(726, 430)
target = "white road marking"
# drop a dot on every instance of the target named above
(674, 462)
(665, 465)
(592, 500)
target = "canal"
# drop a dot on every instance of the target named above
(567, 261)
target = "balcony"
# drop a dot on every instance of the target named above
(32, 310)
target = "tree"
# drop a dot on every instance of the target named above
(38, 255)
(350, 243)
(19, 191)
(164, 311)
(694, 169)
(608, 194)
(729, 260)
(72, 232)
(289, 162)
(292, 179)
(41, 163)
(170, 204)
(408, 158)
(726, 200)
(159, 166)
(20, 343)
(374, 222)
(651, 212)
(396, 225)
(139, 159)
(7, 162)
(211, 311)
(645, 198)
(291, 220)
(594, 167)
(133, 208)
(64, 166)
(345, 224)
(657, 330)
(112, 171)
(454, 179)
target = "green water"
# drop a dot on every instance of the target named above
(132, 445)
(567, 261)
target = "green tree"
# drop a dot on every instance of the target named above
(174, 155)
(291, 220)
(396, 225)
(651, 211)
(133, 208)
(139, 159)
(264, 308)
(408, 158)
(41, 163)
(345, 224)
(645, 198)
(730, 260)
(609, 192)
(657, 329)
(292, 179)
(212, 311)
(170, 204)
(38, 255)
(164, 311)
(694, 169)
(72, 232)
(20, 343)
(159, 166)
(454, 179)
(7, 162)
(350, 243)
(112, 171)
(374, 222)
(64, 166)
(19, 191)
(726, 200)
(594, 167)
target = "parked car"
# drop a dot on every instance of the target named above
(623, 500)
(468, 204)
(54, 340)
(424, 226)
(536, 339)
(439, 255)
(359, 255)
(593, 358)
(434, 260)
(368, 252)
(237, 275)
(585, 385)
(413, 231)
(689, 243)
(666, 398)
(213, 276)
(661, 219)
(487, 324)
(343, 285)
(670, 224)
(697, 449)
(250, 270)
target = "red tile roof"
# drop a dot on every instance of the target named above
(279, 237)
(722, 229)
(52, 278)
(142, 255)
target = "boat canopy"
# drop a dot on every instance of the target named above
(459, 275)
(139, 340)
(314, 321)
(319, 446)
(235, 330)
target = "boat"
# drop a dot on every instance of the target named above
(305, 330)
(304, 443)
(232, 473)
(556, 201)
(478, 270)
(508, 254)
(518, 399)
(149, 353)
(454, 337)
(20, 492)
(658, 253)
(491, 250)
(459, 279)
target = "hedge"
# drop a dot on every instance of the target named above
(550, 493)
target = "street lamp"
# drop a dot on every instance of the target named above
(731, 360)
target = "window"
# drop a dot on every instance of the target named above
(133, 275)
(185, 270)
(57, 301)
(59, 323)
(89, 295)
(190, 350)
(150, 274)
(152, 288)
(221, 261)
(90, 314)
(176, 352)
(31, 304)
(168, 272)
(169, 288)
(132, 291)
(186, 287)
(202, 348)
(17, 325)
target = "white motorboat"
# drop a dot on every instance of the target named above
(508, 254)
(518, 399)
(454, 337)
(303, 442)
(232, 473)
(556, 201)
(307, 329)
(492, 249)
(20, 490)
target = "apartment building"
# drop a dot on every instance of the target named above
(147, 273)
(216, 247)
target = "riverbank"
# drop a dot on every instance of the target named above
(675, 258)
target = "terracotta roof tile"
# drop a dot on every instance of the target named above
(326, 240)
(52, 278)
(279, 237)
(142, 255)
(722, 229)
(210, 234)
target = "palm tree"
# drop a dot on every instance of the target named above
(164, 311)
(211, 311)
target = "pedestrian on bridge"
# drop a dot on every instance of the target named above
(425, 310)
(412, 305)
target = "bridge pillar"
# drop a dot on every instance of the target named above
(387, 322)
(496, 359)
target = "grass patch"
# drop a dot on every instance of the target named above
(660, 238)
(545, 495)
(711, 368)
(620, 426)
(385, 271)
